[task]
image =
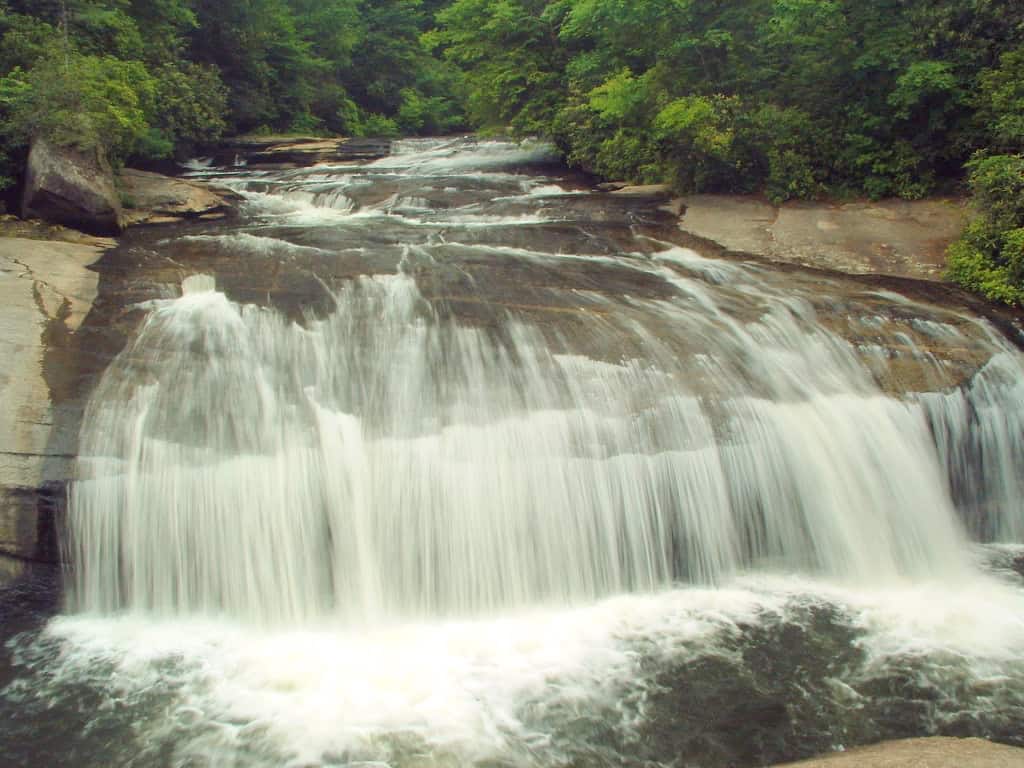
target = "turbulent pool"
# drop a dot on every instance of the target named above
(446, 460)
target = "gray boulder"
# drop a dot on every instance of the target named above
(68, 186)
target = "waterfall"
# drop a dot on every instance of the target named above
(388, 462)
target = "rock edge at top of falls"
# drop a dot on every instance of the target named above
(934, 752)
(280, 152)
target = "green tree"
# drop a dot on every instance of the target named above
(84, 101)
(512, 57)
(1000, 101)
(189, 107)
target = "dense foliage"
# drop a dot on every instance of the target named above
(153, 78)
(788, 98)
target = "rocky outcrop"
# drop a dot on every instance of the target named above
(292, 151)
(152, 198)
(45, 292)
(890, 237)
(68, 186)
(937, 752)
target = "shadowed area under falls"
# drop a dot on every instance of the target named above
(444, 460)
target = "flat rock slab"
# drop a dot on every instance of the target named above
(298, 151)
(46, 291)
(890, 237)
(157, 199)
(936, 752)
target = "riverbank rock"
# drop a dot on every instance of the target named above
(297, 151)
(152, 198)
(36, 229)
(46, 290)
(936, 752)
(890, 237)
(650, 191)
(68, 186)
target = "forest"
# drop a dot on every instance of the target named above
(781, 98)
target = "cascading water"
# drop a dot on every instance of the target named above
(526, 472)
(383, 462)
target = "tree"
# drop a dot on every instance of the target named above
(90, 102)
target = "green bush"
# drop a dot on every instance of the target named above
(24, 40)
(696, 138)
(307, 123)
(972, 262)
(997, 183)
(988, 258)
(379, 125)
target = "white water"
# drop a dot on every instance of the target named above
(384, 463)
(390, 532)
(461, 692)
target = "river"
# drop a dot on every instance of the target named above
(446, 459)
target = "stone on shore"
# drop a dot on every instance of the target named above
(935, 752)
(46, 290)
(152, 198)
(65, 185)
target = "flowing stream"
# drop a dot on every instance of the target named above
(445, 460)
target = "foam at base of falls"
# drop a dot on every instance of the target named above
(519, 689)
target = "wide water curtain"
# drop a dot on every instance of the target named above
(394, 459)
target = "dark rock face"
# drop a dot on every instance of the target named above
(68, 186)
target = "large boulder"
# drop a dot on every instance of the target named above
(64, 185)
(152, 198)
